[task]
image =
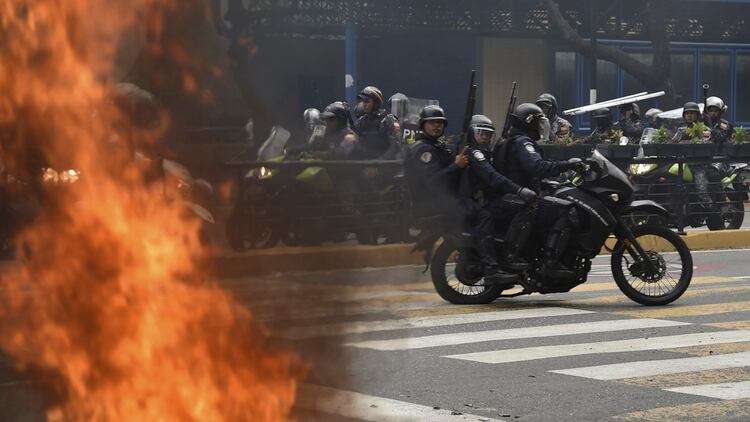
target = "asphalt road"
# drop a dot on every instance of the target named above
(382, 346)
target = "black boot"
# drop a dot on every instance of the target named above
(492, 272)
(516, 239)
(554, 247)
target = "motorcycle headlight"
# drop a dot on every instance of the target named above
(50, 176)
(264, 173)
(614, 197)
(69, 176)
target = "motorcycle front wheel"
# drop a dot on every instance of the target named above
(672, 261)
(448, 284)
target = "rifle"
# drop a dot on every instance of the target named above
(705, 98)
(511, 106)
(470, 104)
(464, 186)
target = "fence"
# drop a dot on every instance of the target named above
(306, 203)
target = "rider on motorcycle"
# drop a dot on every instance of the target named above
(521, 160)
(721, 129)
(339, 141)
(434, 172)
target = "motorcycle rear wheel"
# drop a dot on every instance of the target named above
(668, 252)
(449, 287)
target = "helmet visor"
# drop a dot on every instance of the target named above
(544, 128)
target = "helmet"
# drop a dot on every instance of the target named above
(359, 110)
(602, 118)
(716, 102)
(530, 119)
(481, 122)
(397, 105)
(334, 111)
(631, 106)
(311, 117)
(690, 106)
(652, 114)
(372, 93)
(548, 100)
(431, 112)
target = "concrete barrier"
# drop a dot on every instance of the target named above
(280, 260)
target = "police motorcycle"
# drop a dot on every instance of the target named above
(651, 264)
(282, 204)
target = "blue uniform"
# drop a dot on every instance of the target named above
(432, 176)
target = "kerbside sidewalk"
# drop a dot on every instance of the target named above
(321, 258)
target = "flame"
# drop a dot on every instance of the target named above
(110, 309)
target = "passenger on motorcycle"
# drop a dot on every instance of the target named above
(559, 127)
(339, 141)
(521, 160)
(691, 114)
(602, 121)
(433, 173)
(721, 129)
(630, 121)
(488, 187)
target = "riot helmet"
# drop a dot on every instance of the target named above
(482, 129)
(652, 116)
(602, 118)
(398, 103)
(691, 109)
(631, 107)
(374, 94)
(335, 112)
(715, 102)
(311, 117)
(432, 112)
(359, 110)
(531, 120)
(548, 103)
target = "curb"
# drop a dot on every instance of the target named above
(342, 257)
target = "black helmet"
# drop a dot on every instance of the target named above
(481, 122)
(372, 93)
(334, 111)
(525, 115)
(601, 118)
(548, 100)
(631, 106)
(431, 112)
(359, 110)
(690, 106)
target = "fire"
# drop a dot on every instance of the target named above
(109, 308)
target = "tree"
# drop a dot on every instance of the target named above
(656, 77)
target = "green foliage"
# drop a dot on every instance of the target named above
(662, 136)
(565, 140)
(695, 132)
(616, 134)
(740, 135)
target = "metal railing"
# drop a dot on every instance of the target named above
(305, 203)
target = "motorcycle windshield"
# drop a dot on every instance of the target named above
(605, 176)
(274, 146)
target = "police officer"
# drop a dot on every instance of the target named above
(339, 140)
(630, 121)
(602, 121)
(652, 119)
(691, 114)
(493, 186)
(559, 126)
(379, 131)
(521, 160)
(433, 173)
(721, 129)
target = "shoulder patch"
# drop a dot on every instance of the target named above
(529, 147)
(478, 155)
(426, 157)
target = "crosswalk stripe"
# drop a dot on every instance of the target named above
(371, 408)
(711, 376)
(692, 310)
(514, 333)
(600, 300)
(422, 322)
(633, 345)
(731, 325)
(711, 349)
(736, 410)
(726, 391)
(658, 367)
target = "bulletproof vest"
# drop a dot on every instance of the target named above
(373, 137)
(422, 194)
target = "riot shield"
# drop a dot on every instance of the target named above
(407, 109)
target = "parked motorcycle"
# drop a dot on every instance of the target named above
(651, 264)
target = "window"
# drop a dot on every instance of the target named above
(631, 85)
(683, 76)
(715, 71)
(743, 86)
(565, 80)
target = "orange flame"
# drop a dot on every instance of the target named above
(109, 304)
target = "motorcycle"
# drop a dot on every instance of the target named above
(651, 264)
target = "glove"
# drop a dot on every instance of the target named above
(527, 194)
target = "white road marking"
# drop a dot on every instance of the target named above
(659, 367)
(359, 327)
(635, 345)
(514, 333)
(371, 408)
(726, 391)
